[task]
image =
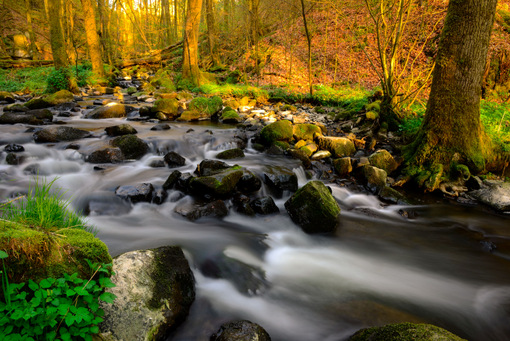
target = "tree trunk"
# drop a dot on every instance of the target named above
(211, 33)
(190, 70)
(309, 40)
(33, 48)
(452, 130)
(58, 47)
(93, 42)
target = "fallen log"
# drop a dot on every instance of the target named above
(9, 64)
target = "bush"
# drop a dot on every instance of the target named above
(59, 79)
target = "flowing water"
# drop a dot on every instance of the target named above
(437, 263)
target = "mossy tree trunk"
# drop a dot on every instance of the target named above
(57, 41)
(452, 130)
(93, 41)
(190, 70)
(212, 33)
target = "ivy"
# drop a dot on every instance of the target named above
(64, 308)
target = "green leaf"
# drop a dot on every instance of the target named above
(83, 314)
(94, 329)
(3, 254)
(70, 292)
(69, 319)
(82, 292)
(62, 309)
(51, 335)
(46, 283)
(33, 285)
(106, 282)
(107, 297)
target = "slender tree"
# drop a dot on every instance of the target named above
(93, 41)
(452, 129)
(309, 40)
(190, 70)
(212, 33)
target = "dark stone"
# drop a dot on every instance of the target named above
(122, 129)
(230, 154)
(174, 160)
(16, 108)
(242, 204)
(159, 196)
(110, 111)
(218, 185)
(182, 183)
(282, 181)
(38, 103)
(58, 134)
(145, 111)
(14, 159)
(157, 163)
(210, 167)
(300, 155)
(264, 205)
(106, 155)
(172, 180)
(131, 146)
(23, 118)
(139, 193)
(14, 148)
(213, 209)
(405, 331)
(249, 182)
(474, 183)
(161, 126)
(240, 331)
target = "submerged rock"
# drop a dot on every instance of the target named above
(105, 155)
(131, 146)
(155, 289)
(240, 331)
(58, 134)
(139, 193)
(193, 212)
(405, 332)
(314, 208)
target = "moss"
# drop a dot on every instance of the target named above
(230, 116)
(277, 131)
(219, 185)
(131, 146)
(282, 144)
(62, 96)
(166, 106)
(209, 106)
(371, 115)
(374, 106)
(405, 332)
(306, 131)
(461, 171)
(230, 154)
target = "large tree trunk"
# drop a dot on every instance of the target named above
(212, 33)
(58, 47)
(452, 130)
(190, 70)
(93, 41)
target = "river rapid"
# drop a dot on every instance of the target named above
(433, 262)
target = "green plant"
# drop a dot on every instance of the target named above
(58, 79)
(64, 308)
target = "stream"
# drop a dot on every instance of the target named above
(436, 262)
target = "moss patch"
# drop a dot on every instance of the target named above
(405, 332)
(277, 131)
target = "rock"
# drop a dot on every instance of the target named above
(14, 148)
(131, 146)
(206, 106)
(230, 154)
(172, 180)
(384, 160)
(105, 155)
(405, 332)
(157, 163)
(59, 97)
(306, 131)
(321, 154)
(300, 155)
(230, 117)
(6, 97)
(314, 208)
(343, 166)
(161, 126)
(242, 330)
(277, 131)
(374, 177)
(112, 110)
(242, 204)
(167, 108)
(393, 196)
(283, 180)
(122, 129)
(155, 289)
(174, 160)
(216, 209)
(34, 117)
(474, 183)
(217, 185)
(264, 205)
(338, 146)
(58, 134)
(14, 159)
(495, 194)
(16, 108)
(139, 193)
(210, 167)
(249, 182)
(310, 148)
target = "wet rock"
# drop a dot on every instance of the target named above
(59, 97)
(495, 194)
(159, 196)
(343, 166)
(264, 205)
(6, 97)
(240, 331)
(474, 183)
(375, 178)
(306, 131)
(16, 108)
(160, 127)
(145, 111)
(131, 146)
(34, 117)
(314, 208)
(14, 148)
(112, 110)
(230, 154)
(384, 160)
(155, 289)
(242, 204)
(139, 193)
(321, 154)
(174, 160)
(14, 159)
(230, 117)
(182, 183)
(210, 167)
(157, 163)
(166, 109)
(58, 134)
(338, 146)
(172, 180)
(193, 212)
(105, 155)
(217, 185)
(405, 332)
(393, 196)
(277, 131)
(249, 182)
(119, 130)
(281, 180)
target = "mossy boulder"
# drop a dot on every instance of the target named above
(193, 115)
(405, 332)
(6, 97)
(230, 154)
(309, 149)
(131, 146)
(206, 106)
(314, 208)
(338, 146)
(119, 130)
(111, 110)
(277, 131)
(59, 134)
(59, 97)
(33, 117)
(155, 290)
(384, 160)
(230, 116)
(343, 166)
(36, 253)
(218, 185)
(167, 108)
(306, 131)
(375, 178)
(242, 330)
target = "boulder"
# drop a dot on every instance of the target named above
(230, 117)
(405, 332)
(495, 194)
(174, 160)
(216, 185)
(309, 149)
(119, 130)
(375, 178)
(14, 148)
(300, 155)
(166, 108)
(131, 146)
(277, 131)
(11, 117)
(281, 180)
(105, 155)
(338, 146)
(384, 160)
(14, 159)
(249, 182)
(160, 126)
(264, 205)
(314, 208)
(58, 134)
(6, 97)
(306, 131)
(193, 212)
(59, 97)
(230, 154)
(111, 110)
(343, 166)
(242, 330)
(210, 167)
(139, 193)
(206, 106)
(155, 289)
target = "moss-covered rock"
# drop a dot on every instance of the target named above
(314, 208)
(306, 131)
(310, 148)
(230, 116)
(6, 97)
(34, 117)
(59, 97)
(217, 185)
(343, 166)
(240, 331)
(119, 130)
(384, 160)
(206, 106)
(230, 154)
(277, 131)
(131, 146)
(375, 178)
(167, 108)
(59, 133)
(338, 146)
(405, 332)
(111, 110)
(36, 253)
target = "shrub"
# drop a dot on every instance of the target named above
(59, 79)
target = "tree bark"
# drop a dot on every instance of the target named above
(212, 33)
(93, 41)
(452, 130)
(309, 40)
(190, 70)
(58, 47)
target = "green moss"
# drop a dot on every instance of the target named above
(405, 332)
(306, 131)
(208, 106)
(131, 146)
(230, 115)
(166, 106)
(62, 96)
(277, 131)
(374, 106)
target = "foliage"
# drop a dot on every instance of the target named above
(32, 79)
(234, 90)
(64, 308)
(84, 74)
(58, 79)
